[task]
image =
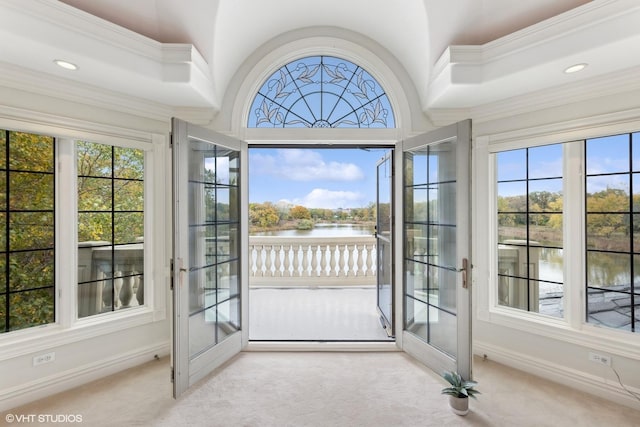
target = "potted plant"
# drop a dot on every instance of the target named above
(459, 392)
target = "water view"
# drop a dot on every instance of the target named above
(323, 230)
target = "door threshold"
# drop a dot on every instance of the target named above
(328, 346)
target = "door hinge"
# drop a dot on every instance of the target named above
(173, 375)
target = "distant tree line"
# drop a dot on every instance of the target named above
(270, 215)
(608, 215)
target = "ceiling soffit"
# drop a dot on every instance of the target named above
(602, 34)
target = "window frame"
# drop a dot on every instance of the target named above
(9, 212)
(68, 328)
(111, 180)
(527, 180)
(573, 328)
(630, 253)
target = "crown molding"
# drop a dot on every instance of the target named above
(598, 87)
(603, 33)
(109, 57)
(41, 84)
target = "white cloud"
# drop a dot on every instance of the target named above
(303, 165)
(328, 199)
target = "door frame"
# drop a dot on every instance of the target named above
(292, 139)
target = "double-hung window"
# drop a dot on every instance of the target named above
(110, 228)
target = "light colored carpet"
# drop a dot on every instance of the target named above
(328, 389)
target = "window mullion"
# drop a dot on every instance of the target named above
(574, 242)
(66, 224)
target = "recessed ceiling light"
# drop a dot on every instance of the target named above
(65, 64)
(575, 68)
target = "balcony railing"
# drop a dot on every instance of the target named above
(110, 278)
(312, 261)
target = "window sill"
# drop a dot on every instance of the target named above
(41, 338)
(615, 342)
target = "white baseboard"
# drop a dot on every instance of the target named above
(573, 378)
(52, 384)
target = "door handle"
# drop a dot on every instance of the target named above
(181, 270)
(465, 271)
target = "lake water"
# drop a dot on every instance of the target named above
(324, 230)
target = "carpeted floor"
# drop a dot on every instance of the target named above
(327, 389)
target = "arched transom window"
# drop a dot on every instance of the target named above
(321, 92)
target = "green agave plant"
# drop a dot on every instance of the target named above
(459, 387)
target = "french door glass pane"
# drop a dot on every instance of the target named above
(430, 252)
(213, 245)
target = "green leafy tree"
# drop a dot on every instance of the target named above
(27, 215)
(601, 207)
(320, 214)
(106, 213)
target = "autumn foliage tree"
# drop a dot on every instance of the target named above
(299, 212)
(263, 215)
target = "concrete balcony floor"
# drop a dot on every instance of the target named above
(314, 314)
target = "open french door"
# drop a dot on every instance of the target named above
(437, 264)
(384, 242)
(206, 252)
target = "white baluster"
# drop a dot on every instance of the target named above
(348, 261)
(306, 268)
(252, 261)
(374, 260)
(104, 290)
(268, 262)
(140, 289)
(117, 283)
(278, 264)
(259, 260)
(287, 260)
(126, 291)
(314, 260)
(333, 254)
(360, 260)
(296, 261)
(323, 261)
(370, 255)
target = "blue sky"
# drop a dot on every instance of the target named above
(315, 178)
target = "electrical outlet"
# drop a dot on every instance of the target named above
(600, 358)
(44, 358)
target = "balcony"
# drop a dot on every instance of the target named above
(313, 289)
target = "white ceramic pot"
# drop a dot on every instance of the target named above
(459, 405)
